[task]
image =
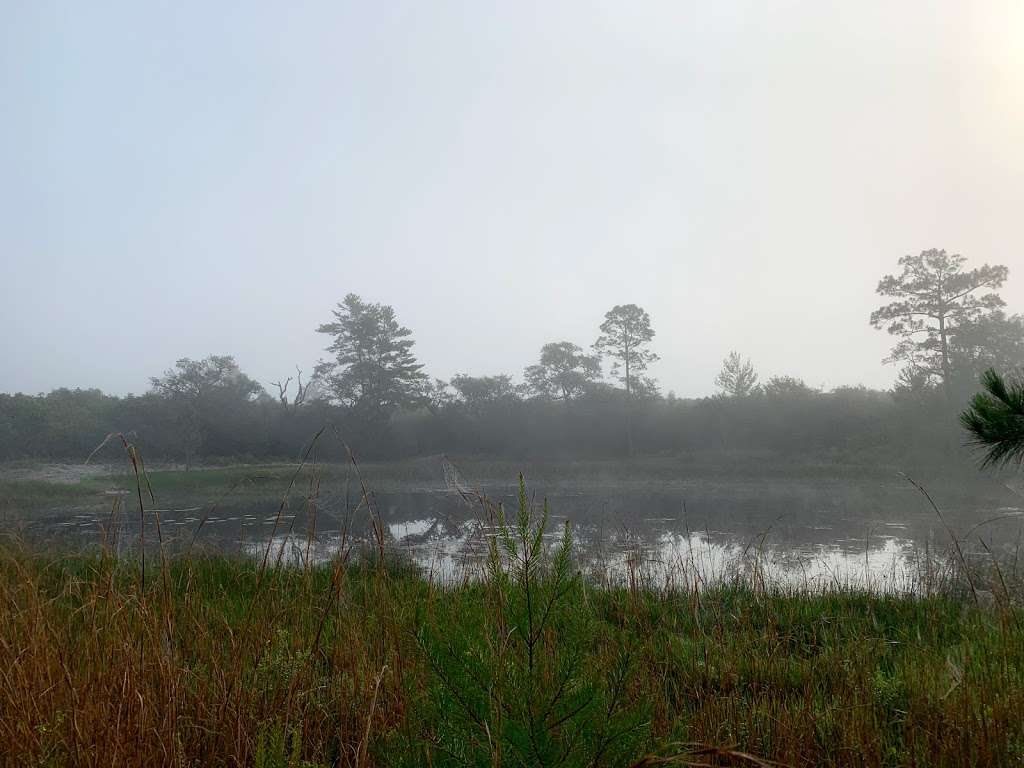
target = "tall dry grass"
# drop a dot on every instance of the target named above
(216, 660)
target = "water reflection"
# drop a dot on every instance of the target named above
(797, 536)
(448, 553)
(694, 561)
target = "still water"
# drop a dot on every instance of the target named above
(879, 536)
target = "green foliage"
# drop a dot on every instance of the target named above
(993, 340)
(407, 673)
(206, 395)
(787, 386)
(280, 663)
(489, 416)
(217, 375)
(995, 419)
(374, 369)
(564, 372)
(478, 393)
(277, 747)
(935, 296)
(526, 681)
(625, 334)
(737, 377)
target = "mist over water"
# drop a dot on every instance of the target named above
(794, 535)
(574, 383)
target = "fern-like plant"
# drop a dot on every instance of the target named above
(527, 681)
(995, 419)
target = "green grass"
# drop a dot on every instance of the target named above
(240, 483)
(730, 472)
(243, 482)
(216, 661)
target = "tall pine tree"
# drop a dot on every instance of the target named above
(374, 369)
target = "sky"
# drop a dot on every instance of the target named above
(180, 179)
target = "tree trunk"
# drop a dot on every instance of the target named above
(944, 349)
(629, 407)
(629, 383)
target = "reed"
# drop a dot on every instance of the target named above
(364, 661)
(216, 661)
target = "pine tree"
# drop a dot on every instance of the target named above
(374, 369)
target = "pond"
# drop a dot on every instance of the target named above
(782, 532)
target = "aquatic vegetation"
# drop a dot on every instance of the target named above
(216, 660)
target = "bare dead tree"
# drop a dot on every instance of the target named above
(300, 395)
(282, 389)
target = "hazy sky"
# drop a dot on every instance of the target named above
(191, 178)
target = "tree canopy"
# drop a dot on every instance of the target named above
(374, 369)
(995, 419)
(375, 393)
(737, 377)
(625, 334)
(994, 340)
(196, 379)
(787, 386)
(209, 396)
(935, 295)
(478, 392)
(564, 371)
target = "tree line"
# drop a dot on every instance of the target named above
(948, 321)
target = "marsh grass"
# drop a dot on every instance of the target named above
(361, 661)
(379, 667)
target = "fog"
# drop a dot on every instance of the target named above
(193, 178)
(501, 382)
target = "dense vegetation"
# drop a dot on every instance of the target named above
(209, 660)
(995, 418)
(69, 424)
(214, 661)
(376, 394)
